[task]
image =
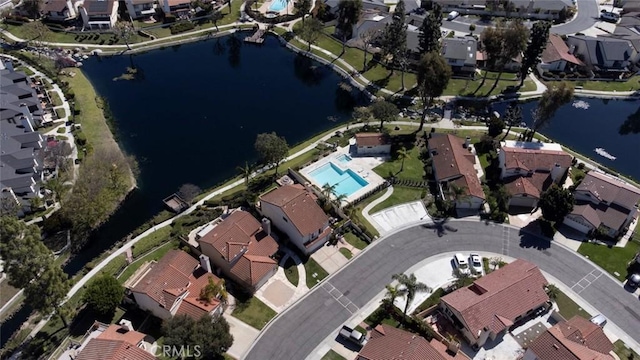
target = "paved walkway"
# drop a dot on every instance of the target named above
(243, 334)
(278, 293)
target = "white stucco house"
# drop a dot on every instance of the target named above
(295, 212)
(60, 10)
(98, 14)
(140, 8)
(372, 143)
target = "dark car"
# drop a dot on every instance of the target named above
(634, 281)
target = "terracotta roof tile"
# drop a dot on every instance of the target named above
(299, 206)
(557, 50)
(117, 332)
(54, 6)
(452, 162)
(576, 339)
(390, 343)
(372, 139)
(103, 349)
(239, 239)
(489, 301)
(534, 159)
(609, 189)
(517, 185)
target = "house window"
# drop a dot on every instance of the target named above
(285, 219)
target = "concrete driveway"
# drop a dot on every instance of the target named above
(398, 216)
(243, 335)
(330, 258)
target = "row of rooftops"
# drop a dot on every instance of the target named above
(92, 7)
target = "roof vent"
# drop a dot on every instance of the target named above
(555, 346)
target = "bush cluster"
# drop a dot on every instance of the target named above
(181, 27)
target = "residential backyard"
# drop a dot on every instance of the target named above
(615, 259)
(253, 312)
(413, 168)
(401, 195)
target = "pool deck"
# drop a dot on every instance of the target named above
(265, 8)
(361, 165)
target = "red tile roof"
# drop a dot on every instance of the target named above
(534, 159)
(299, 206)
(390, 343)
(103, 349)
(557, 50)
(532, 185)
(54, 6)
(176, 273)
(576, 339)
(240, 240)
(117, 332)
(495, 300)
(372, 139)
(452, 162)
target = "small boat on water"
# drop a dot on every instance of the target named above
(602, 152)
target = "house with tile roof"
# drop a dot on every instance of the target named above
(175, 7)
(453, 163)
(487, 308)
(557, 56)
(113, 342)
(604, 202)
(172, 286)
(241, 248)
(575, 339)
(373, 143)
(388, 342)
(527, 169)
(295, 211)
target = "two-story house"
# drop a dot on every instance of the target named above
(175, 7)
(603, 202)
(605, 54)
(98, 14)
(172, 286)
(295, 211)
(141, 8)
(453, 165)
(527, 169)
(241, 247)
(490, 306)
(557, 56)
(460, 53)
(59, 10)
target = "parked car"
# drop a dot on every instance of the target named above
(461, 264)
(610, 17)
(452, 15)
(634, 281)
(352, 335)
(476, 263)
(599, 320)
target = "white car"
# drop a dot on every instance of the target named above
(461, 264)
(599, 320)
(476, 264)
(452, 15)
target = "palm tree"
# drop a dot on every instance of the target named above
(245, 172)
(403, 154)
(338, 198)
(328, 190)
(552, 291)
(513, 115)
(412, 287)
(393, 292)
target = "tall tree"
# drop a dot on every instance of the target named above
(495, 126)
(103, 294)
(384, 111)
(367, 37)
(552, 99)
(272, 148)
(433, 77)
(412, 287)
(302, 7)
(45, 293)
(36, 33)
(215, 17)
(535, 47)
(123, 31)
(555, 203)
(209, 336)
(403, 154)
(311, 31)
(512, 40)
(348, 16)
(430, 32)
(394, 37)
(393, 292)
(512, 116)
(188, 192)
(22, 250)
(245, 171)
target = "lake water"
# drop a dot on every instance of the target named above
(586, 124)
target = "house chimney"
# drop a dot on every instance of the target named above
(28, 127)
(556, 172)
(266, 226)
(126, 324)
(467, 142)
(205, 263)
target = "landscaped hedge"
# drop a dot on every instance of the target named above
(181, 27)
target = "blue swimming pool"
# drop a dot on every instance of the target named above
(344, 158)
(278, 5)
(345, 182)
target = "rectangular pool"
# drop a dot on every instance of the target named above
(346, 182)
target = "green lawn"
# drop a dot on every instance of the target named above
(380, 316)
(471, 87)
(291, 271)
(568, 308)
(63, 37)
(55, 98)
(60, 112)
(413, 167)
(332, 355)
(613, 260)
(629, 85)
(357, 213)
(154, 255)
(253, 312)
(114, 266)
(233, 16)
(355, 241)
(621, 349)
(315, 273)
(346, 252)
(400, 195)
(150, 241)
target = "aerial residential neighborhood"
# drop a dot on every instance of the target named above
(322, 180)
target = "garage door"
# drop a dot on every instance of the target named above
(576, 225)
(522, 201)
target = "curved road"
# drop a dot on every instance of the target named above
(588, 15)
(298, 331)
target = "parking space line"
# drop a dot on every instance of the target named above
(340, 298)
(587, 280)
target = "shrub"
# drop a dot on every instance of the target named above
(61, 130)
(81, 139)
(181, 27)
(581, 166)
(169, 18)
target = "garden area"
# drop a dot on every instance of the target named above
(253, 312)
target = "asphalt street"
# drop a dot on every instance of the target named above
(297, 332)
(588, 15)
